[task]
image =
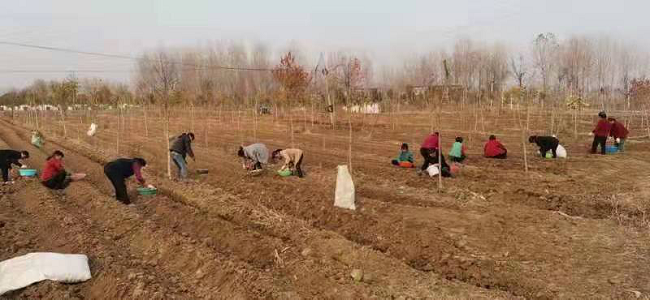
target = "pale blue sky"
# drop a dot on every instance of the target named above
(389, 31)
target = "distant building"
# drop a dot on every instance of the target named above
(437, 91)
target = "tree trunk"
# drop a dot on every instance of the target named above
(647, 123)
(438, 112)
(167, 143)
(575, 123)
(65, 131)
(146, 127)
(193, 116)
(239, 131)
(206, 126)
(312, 112)
(255, 111)
(523, 137)
(331, 104)
(350, 141)
(291, 127)
(119, 122)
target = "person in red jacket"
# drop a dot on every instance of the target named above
(619, 133)
(494, 149)
(601, 133)
(54, 175)
(429, 146)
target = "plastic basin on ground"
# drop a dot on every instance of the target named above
(285, 173)
(611, 149)
(406, 164)
(147, 191)
(27, 172)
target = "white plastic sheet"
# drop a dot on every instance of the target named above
(344, 196)
(21, 271)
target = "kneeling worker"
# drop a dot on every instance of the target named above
(54, 175)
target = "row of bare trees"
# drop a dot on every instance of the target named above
(599, 69)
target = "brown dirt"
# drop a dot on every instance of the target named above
(569, 229)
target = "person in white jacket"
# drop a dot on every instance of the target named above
(292, 159)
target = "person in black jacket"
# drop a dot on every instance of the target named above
(180, 148)
(545, 144)
(8, 158)
(433, 160)
(119, 170)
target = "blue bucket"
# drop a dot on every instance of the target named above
(611, 149)
(27, 172)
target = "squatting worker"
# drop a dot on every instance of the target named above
(292, 159)
(8, 158)
(182, 147)
(494, 149)
(619, 133)
(54, 175)
(119, 170)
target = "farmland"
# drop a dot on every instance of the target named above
(574, 228)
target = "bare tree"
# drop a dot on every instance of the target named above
(519, 69)
(161, 75)
(545, 51)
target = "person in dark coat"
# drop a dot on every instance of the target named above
(433, 160)
(601, 133)
(179, 150)
(430, 145)
(545, 144)
(9, 158)
(119, 170)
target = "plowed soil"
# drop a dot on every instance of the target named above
(568, 229)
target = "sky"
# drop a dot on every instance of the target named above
(388, 31)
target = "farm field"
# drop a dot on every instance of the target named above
(568, 229)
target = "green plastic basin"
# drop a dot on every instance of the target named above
(27, 172)
(285, 173)
(147, 191)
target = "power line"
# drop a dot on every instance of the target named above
(119, 56)
(65, 71)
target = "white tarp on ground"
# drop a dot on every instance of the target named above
(344, 196)
(560, 151)
(19, 272)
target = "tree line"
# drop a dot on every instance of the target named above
(603, 71)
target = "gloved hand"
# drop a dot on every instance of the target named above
(23, 167)
(591, 134)
(151, 187)
(618, 140)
